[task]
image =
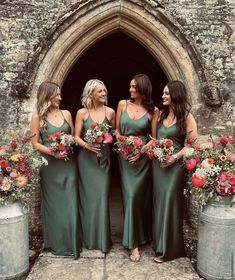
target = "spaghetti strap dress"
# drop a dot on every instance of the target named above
(136, 186)
(94, 182)
(59, 203)
(168, 200)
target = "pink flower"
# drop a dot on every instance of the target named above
(232, 158)
(191, 164)
(13, 174)
(5, 184)
(137, 142)
(108, 138)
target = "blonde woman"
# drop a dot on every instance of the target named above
(59, 182)
(94, 167)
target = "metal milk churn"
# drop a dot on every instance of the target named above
(216, 241)
(14, 248)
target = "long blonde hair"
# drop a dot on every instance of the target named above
(88, 89)
(46, 91)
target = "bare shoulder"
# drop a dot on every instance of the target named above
(66, 113)
(110, 110)
(190, 118)
(82, 113)
(122, 103)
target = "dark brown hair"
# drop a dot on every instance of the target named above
(144, 89)
(180, 104)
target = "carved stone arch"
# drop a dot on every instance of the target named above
(144, 21)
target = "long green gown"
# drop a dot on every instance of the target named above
(94, 181)
(168, 201)
(59, 189)
(136, 186)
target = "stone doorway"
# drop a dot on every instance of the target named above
(114, 60)
(153, 44)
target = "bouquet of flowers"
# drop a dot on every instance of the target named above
(61, 144)
(129, 146)
(211, 169)
(99, 134)
(160, 149)
(19, 167)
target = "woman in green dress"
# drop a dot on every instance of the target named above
(178, 124)
(59, 180)
(94, 167)
(136, 117)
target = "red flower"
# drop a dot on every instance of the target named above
(169, 143)
(93, 125)
(198, 182)
(224, 140)
(122, 138)
(61, 148)
(99, 139)
(25, 139)
(3, 163)
(14, 144)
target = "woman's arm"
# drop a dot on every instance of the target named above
(120, 108)
(35, 131)
(111, 114)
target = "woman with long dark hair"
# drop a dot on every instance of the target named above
(175, 123)
(136, 116)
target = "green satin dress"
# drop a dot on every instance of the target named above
(94, 182)
(136, 186)
(59, 204)
(168, 201)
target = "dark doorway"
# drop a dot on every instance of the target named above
(114, 60)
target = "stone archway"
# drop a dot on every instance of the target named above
(142, 21)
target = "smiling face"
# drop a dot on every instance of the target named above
(133, 89)
(56, 98)
(99, 94)
(166, 97)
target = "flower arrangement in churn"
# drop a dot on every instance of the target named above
(129, 146)
(211, 169)
(61, 144)
(19, 167)
(99, 134)
(160, 149)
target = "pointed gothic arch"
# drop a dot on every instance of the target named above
(142, 21)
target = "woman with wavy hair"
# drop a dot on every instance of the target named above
(136, 116)
(175, 123)
(94, 167)
(59, 180)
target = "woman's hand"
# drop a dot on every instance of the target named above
(92, 147)
(132, 159)
(169, 161)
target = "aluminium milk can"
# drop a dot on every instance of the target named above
(14, 248)
(216, 240)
